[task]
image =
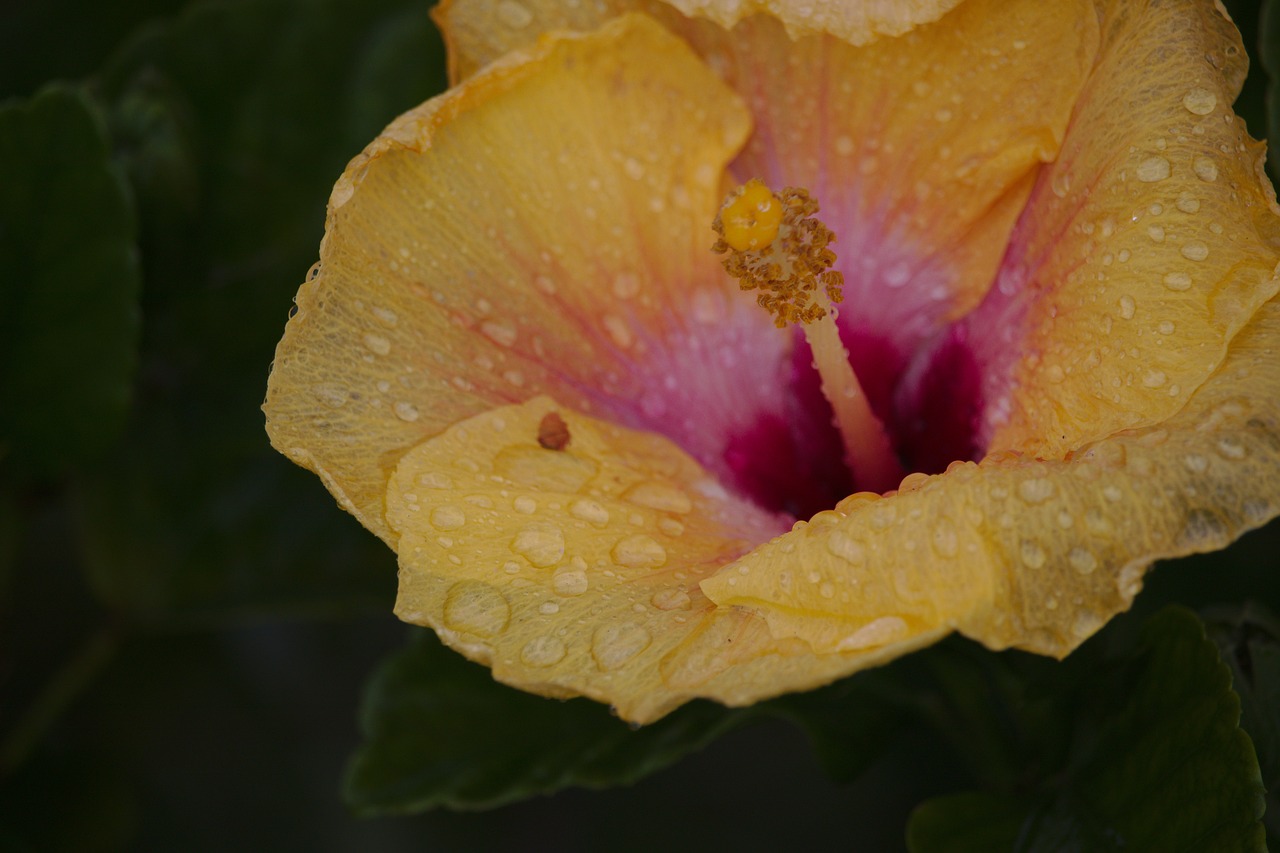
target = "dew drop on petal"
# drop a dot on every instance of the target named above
(540, 544)
(1195, 251)
(405, 411)
(1033, 556)
(1127, 307)
(1199, 101)
(1205, 169)
(1082, 560)
(570, 583)
(639, 552)
(663, 497)
(1036, 490)
(671, 599)
(614, 645)
(447, 517)
(513, 14)
(476, 608)
(846, 548)
(589, 510)
(377, 344)
(1153, 169)
(1177, 281)
(543, 651)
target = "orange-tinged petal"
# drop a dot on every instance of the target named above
(1031, 553)
(921, 149)
(854, 21)
(479, 31)
(575, 571)
(523, 234)
(1144, 248)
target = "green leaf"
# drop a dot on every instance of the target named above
(440, 732)
(233, 121)
(1158, 762)
(1269, 54)
(68, 298)
(970, 822)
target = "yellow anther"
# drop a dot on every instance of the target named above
(774, 244)
(751, 216)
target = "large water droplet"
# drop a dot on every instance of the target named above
(589, 510)
(671, 599)
(540, 544)
(614, 645)
(1199, 101)
(1036, 490)
(1177, 281)
(1033, 556)
(841, 545)
(447, 517)
(543, 651)
(573, 582)
(663, 497)
(1153, 169)
(476, 608)
(377, 343)
(639, 552)
(405, 411)
(1205, 169)
(1082, 561)
(1195, 251)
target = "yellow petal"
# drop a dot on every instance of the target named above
(523, 234)
(479, 31)
(857, 22)
(1143, 250)
(1032, 553)
(575, 571)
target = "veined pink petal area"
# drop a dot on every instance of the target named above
(524, 235)
(1143, 249)
(853, 21)
(921, 149)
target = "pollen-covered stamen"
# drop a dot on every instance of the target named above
(775, 245)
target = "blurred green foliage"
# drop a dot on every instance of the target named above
(186, 619)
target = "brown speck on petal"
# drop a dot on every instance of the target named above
(553, 432)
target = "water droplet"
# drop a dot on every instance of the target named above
(663, 497)
(671, 599)
(540, 544)
(377, 343)
(618, 330)
(1154, 379)
(1230, 448)
(476, 608)
(1201, 102)
(614, 645)
(435, 480)
(1033, 556)
(1188, 203)
(1036, 490)
(513, 14)
(945, 542)
(570, 583)
(1082, 561)
(1061, 184)
(405, 411)
(639, 552)
(1177, 281)
(1153, 169)
(525, 504)
(543, 651)
(1195, 463)
(897, 275)
(447, 517)
(626, 285)
(1156, 233)
(670, 526)
(500, 333)
(385, 316)
(1205, 169)
(841, 545)
(1127, 307)
(1166, 327)
(333, 396)
(1195, 251)
(589, 510)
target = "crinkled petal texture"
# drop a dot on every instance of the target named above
(520, 365)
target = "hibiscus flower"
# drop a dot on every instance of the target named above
(607, 472)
